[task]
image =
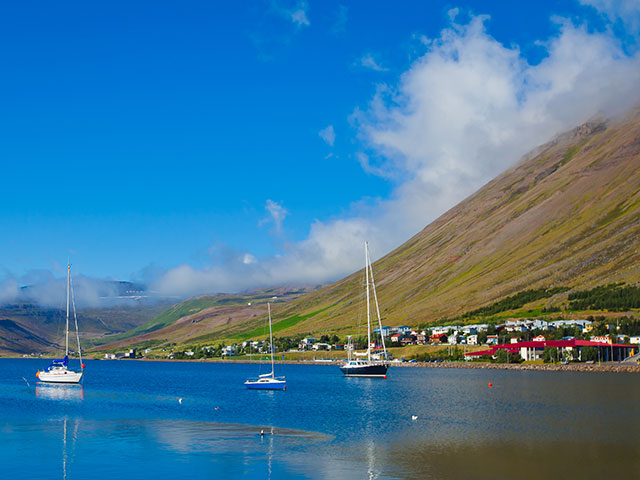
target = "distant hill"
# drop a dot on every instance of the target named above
(565, 216)
(29, 328)
(193, 320)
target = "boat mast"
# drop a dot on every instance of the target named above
(366, 268)
(270, 339)
(66, 343)
(375, 298)
(75, 319)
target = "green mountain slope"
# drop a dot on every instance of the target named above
(195, 318)
(565, 216)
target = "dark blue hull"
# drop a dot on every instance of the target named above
(377, 370)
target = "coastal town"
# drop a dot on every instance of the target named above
(514, 341)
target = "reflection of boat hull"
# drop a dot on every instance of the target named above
(60, 391)
(60, 376)
(266, 384)
(365, 369)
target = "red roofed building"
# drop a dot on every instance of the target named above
(533, 350)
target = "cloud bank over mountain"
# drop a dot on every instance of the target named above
(465, 110)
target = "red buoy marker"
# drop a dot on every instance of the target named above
(490, 384)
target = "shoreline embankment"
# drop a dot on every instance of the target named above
(545, 367)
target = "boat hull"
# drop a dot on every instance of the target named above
(372, 370)
(60, 377)
(266, 385)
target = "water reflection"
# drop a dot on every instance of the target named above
(516, 459)
(73, 392)
(67, 457)
(269, 451)
(368, 390)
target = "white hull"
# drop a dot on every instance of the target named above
(65, 376)
(267, 384)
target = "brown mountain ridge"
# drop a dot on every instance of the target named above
(565, 215)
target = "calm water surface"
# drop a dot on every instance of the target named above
(127, 420)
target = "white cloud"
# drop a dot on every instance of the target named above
(44, 288)
(328, 135)
(9, 290)
(277, 214)
(368, 61)
(625, 11)
(299, 17)
(297, 14)
(464, 111)
(248, 259)
(453, 13)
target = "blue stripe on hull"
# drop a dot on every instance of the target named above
(266, 386)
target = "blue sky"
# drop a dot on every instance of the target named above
(216, 146)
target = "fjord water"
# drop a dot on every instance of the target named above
(127, 420)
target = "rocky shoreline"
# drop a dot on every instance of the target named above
(547, 367)
(570, 367)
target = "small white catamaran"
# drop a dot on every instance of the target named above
(58, 371)
(268, 381)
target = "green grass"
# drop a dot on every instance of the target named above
(166, 318)
(281, 325)
(570, 153)
(257, 331)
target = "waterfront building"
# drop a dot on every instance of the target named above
(530, 351)
(386, 331)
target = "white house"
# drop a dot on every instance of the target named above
(601, 339)
(403, 330)
(385, 331)
(228, 351)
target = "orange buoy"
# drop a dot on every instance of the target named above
(38, 374)
(82, 365)
(490, 384)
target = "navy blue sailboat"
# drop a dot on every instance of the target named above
(369, 367)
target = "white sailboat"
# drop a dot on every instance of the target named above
(58, 371)
(368, 367)
(268, 381)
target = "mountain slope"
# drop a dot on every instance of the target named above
(196, 317)
(566, 215)
(14, 338)
(31, 328)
